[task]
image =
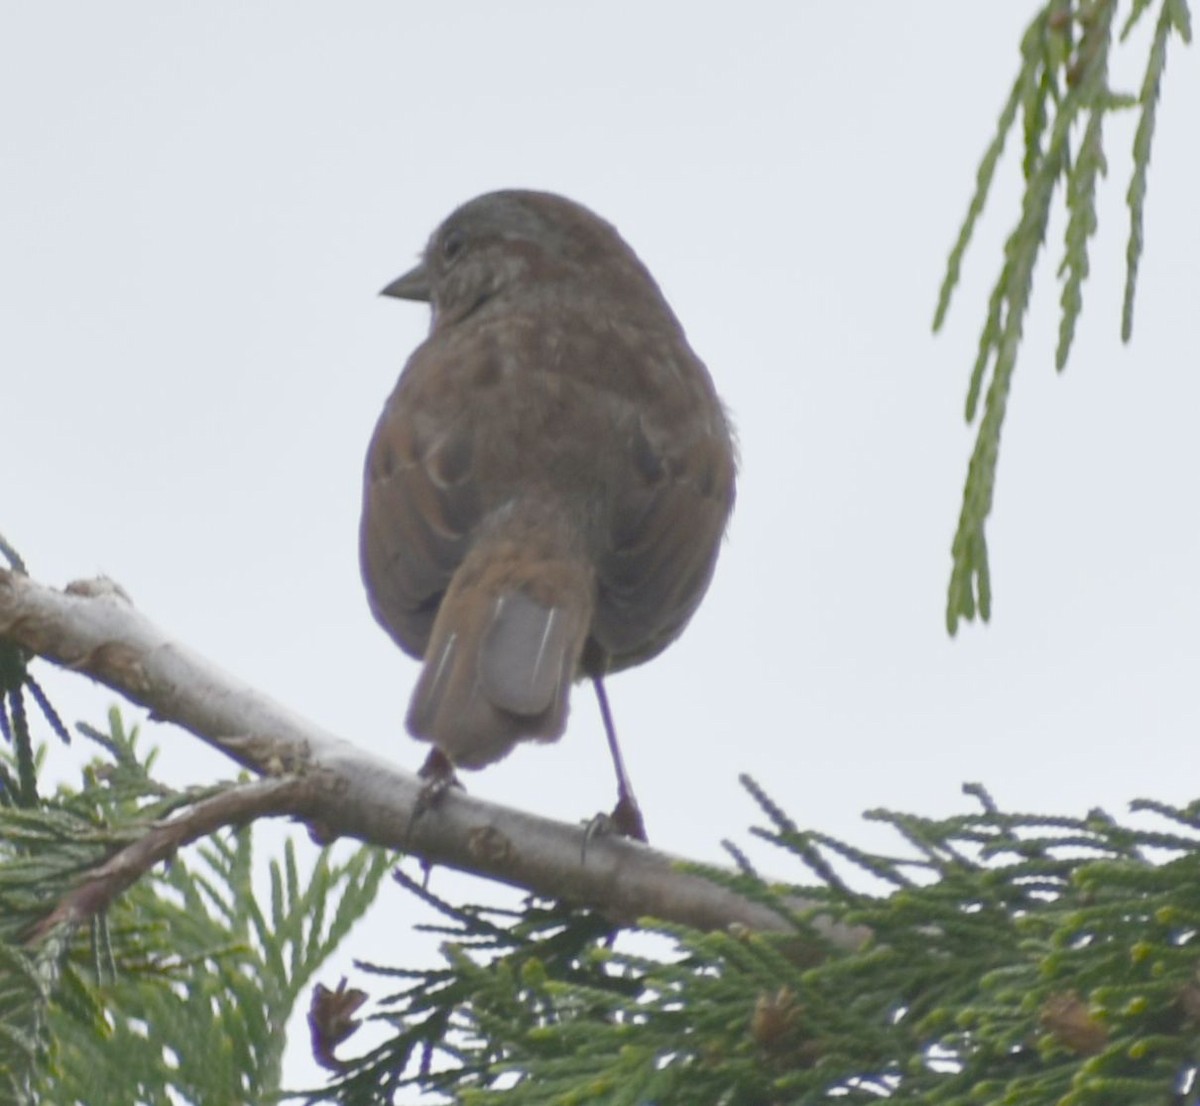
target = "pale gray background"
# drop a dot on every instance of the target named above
(199, 203)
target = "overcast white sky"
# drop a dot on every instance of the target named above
(198, 204)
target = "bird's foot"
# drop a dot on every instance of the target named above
(625, 821)
(439, 776)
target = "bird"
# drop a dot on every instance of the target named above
(547, 489)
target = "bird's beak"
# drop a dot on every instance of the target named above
(414, 285)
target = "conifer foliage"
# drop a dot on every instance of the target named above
(1059, 103)
(1012, 959)
(178, 992)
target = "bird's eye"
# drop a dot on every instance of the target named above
(452, 245)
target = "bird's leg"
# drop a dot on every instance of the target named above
(626, 815)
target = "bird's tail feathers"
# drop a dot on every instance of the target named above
(503, 653)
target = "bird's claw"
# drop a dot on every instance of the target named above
(625, 821)
(439, 776)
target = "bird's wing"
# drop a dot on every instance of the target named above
(419, 506)
(666, 524)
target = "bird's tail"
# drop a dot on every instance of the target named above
(505, 649)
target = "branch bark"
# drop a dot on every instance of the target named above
(341, 790)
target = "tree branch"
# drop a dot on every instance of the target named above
(233, 806)
(93, 628)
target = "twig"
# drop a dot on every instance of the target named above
(236, 805)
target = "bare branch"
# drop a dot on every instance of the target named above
(342, 790)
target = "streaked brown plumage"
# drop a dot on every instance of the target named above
(547, 487)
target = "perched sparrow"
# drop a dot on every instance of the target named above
(547, 487)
